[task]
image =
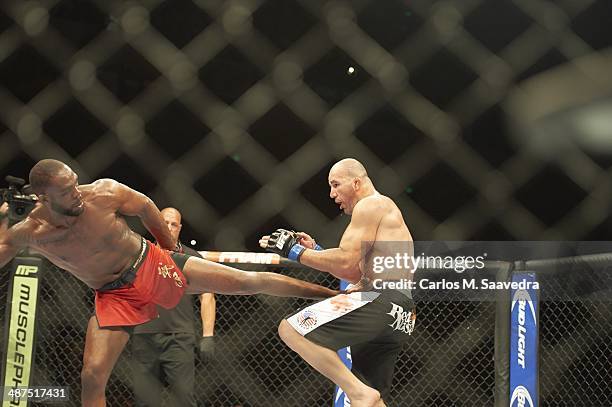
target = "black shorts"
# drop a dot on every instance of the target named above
(375, 326)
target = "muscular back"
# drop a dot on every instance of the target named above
(94, 246)
(392, 238)
(391, 227)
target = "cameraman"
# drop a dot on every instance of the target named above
(15, 204)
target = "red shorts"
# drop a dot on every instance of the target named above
(158, 281)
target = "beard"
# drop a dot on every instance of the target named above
(74, 212)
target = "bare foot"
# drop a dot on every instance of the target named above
(369, 398)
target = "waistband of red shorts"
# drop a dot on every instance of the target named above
(128, 275)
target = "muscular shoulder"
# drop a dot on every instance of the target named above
(103, 190)
(109, 193)
(371, 206)
(368, 212)
(102, 186)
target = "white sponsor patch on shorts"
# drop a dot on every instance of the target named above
(327, 310)
(403, 321)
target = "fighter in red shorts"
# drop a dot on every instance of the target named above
(81, 229)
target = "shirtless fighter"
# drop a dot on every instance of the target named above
(376, 322)
(80, 228)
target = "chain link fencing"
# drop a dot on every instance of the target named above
(575, 332)
(449, 360)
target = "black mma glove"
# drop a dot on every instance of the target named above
(206, 349)
(285, 243)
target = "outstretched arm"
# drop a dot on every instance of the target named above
(133, 203)
(343, 262)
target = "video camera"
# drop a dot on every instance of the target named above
(19, 197)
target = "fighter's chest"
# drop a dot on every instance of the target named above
(91, 229)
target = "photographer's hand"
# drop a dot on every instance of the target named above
(7, 249)
(14, 238)
(4, 208)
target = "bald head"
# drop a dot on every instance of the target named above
(171, 212)
(172, 217)
(349, 182)
(42, 174)
(349, 167)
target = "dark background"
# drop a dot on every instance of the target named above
(243, 140)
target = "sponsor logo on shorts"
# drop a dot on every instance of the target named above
(166, 272)
(402, 321)
(307, 319)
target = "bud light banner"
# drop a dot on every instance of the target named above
(340, 399)
(524, 341)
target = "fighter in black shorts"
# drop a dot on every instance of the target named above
(375, 322)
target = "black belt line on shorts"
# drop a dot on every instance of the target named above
(128, 275)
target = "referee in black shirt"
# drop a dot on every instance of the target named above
(163, 349)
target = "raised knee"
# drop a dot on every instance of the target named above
(285, 330)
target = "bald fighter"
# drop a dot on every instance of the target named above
(374, 323)
(81, 228)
